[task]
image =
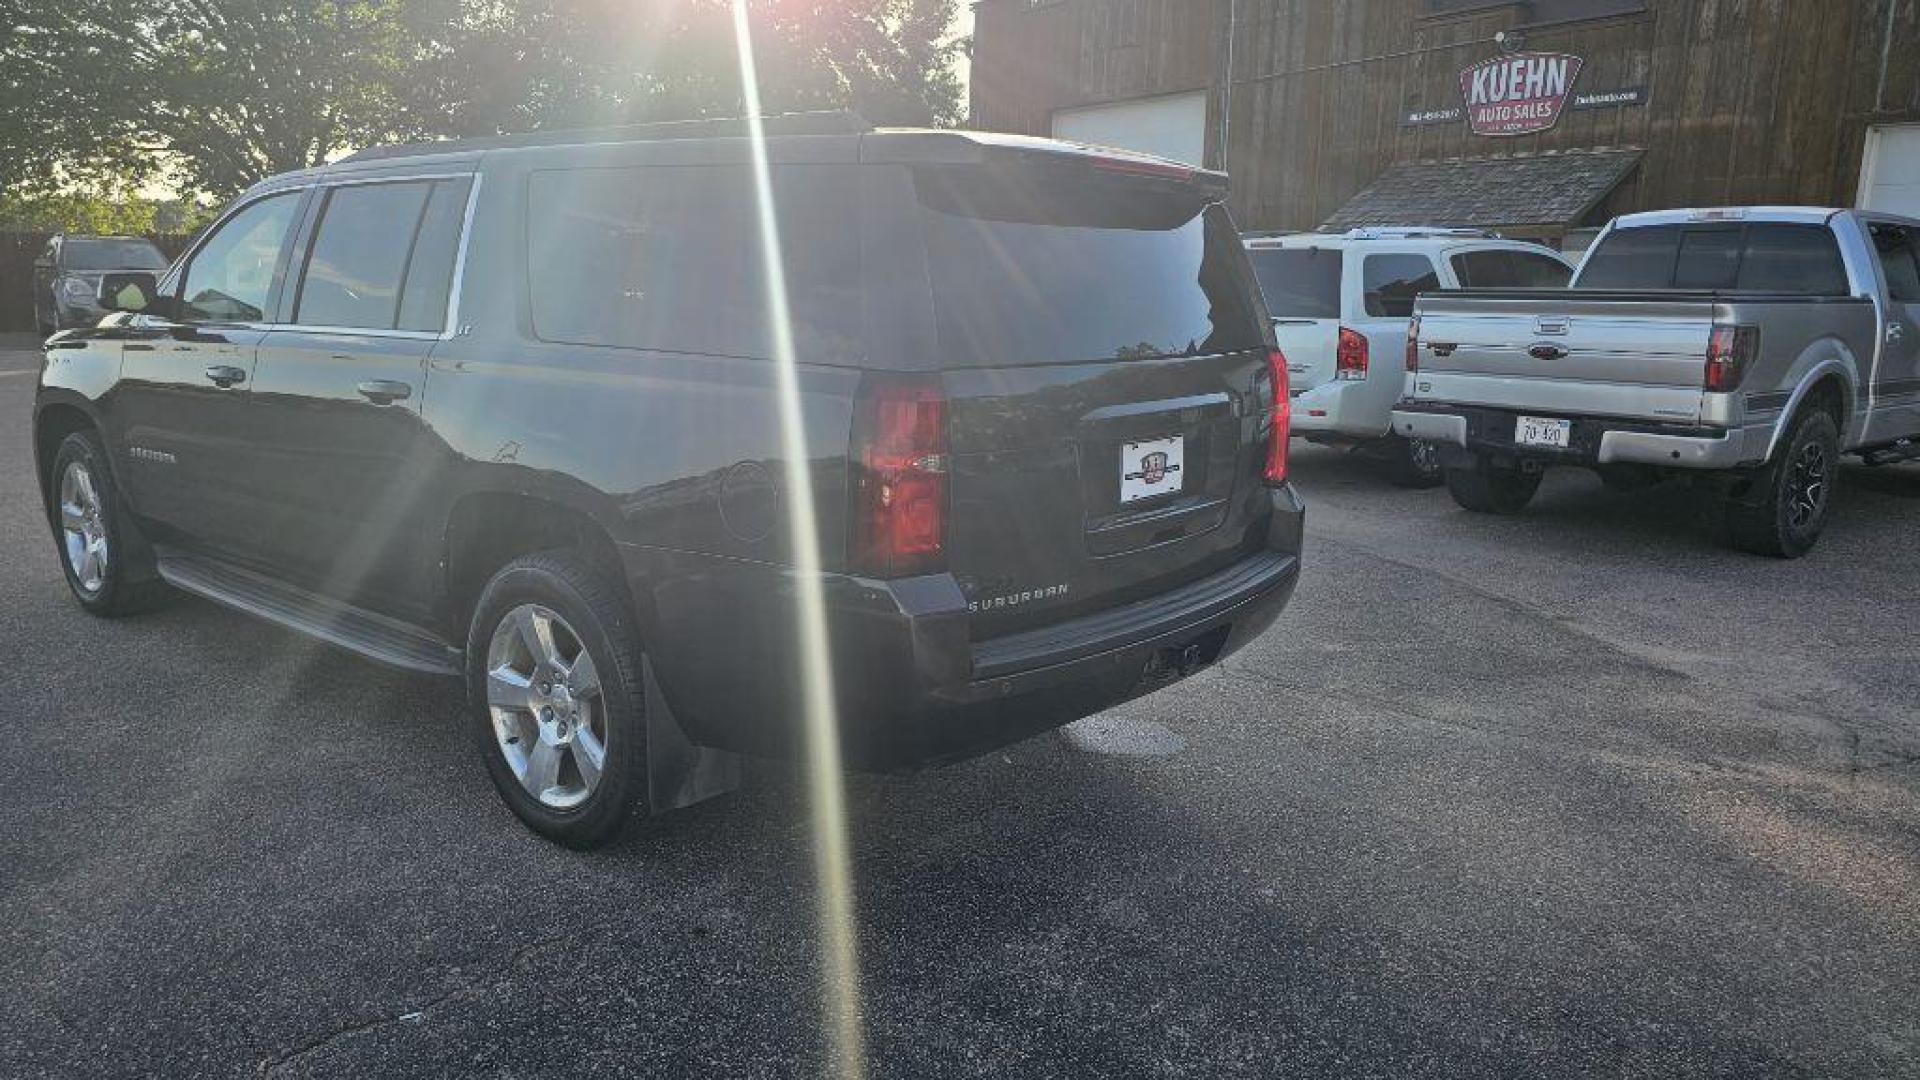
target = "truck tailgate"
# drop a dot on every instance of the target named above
(1562, 352)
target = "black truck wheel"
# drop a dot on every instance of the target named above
(1784, 508)
(1413, 463)
(1491, 490)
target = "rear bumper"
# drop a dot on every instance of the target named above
(1345, 409)
(1596, 440)
(914, 689)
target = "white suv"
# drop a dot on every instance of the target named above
(1341, 303)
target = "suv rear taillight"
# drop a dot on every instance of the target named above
(900, 461)
(1282, 411)
(1350, 357)
(1730, 351)
(1413, 344)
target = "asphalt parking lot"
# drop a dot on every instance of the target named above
(1573, 793)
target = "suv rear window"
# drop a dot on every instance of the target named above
(1765, 256)
(668, 258)
(1028, 267)
(111, 255)
(1506, 268)
(1299, 283)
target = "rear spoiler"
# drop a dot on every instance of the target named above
(917, 147)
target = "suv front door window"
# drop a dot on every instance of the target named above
(230, 279)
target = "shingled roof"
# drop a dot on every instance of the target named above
(1541, 190)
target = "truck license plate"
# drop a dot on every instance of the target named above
(1151, 468)
(1540, 431)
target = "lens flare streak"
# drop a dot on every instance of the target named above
(839, 958)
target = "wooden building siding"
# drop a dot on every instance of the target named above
(1748, 101)
(1032, 59)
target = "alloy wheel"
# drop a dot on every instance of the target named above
(1806, 485)
(549, 719)
(1424, 456)
(83, 530)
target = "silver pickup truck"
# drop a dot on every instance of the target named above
(1748, 347)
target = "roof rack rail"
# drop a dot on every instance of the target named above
(1412, 232)
(802, 123)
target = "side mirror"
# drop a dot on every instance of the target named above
(135, 291)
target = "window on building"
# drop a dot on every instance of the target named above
(1299, 283)
(1508, 269)
(1391, 283)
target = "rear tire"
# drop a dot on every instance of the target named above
(556, 696)
(1487, 490)
(1413, 463)
(1786, 505)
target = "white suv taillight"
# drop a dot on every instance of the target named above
(1350, 357)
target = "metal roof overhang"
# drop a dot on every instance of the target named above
(1537, 194)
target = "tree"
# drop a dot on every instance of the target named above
(235, 90)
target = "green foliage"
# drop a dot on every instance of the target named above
(229, 91)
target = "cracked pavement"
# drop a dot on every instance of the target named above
(1573, 793)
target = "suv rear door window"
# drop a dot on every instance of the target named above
(1391, 283)
(1505, 268)
(668, 258)
(1032, 266)
(1299, 283)
(1763, 256)
(382, 256)
(359, 256)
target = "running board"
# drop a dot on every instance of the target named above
(375, 637)
(1892, 453)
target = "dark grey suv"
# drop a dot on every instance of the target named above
(67, 272)
(505, 411)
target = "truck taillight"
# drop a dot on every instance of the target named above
(1413, 344)
(1350, 358)
(1730, 351)
(1282, 412)
(900, 460)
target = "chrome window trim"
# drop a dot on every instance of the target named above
(449, 328)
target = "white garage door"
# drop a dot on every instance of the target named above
(1890, 172)
(1174, 126)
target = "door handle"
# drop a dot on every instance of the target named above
(385, 391)
(224, 375)
(1896, 331)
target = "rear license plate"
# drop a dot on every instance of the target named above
(1151, 468)
(1540, 431)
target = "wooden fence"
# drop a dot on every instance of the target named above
(17, 252)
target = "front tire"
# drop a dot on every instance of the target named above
(1489, 490)
(102, 555)
(1786, 505)
(1414, 463)
(556, 695)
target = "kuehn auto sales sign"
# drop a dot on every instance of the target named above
(1518, 94)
